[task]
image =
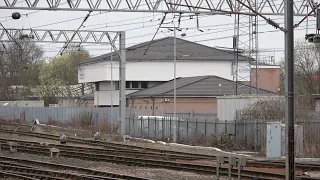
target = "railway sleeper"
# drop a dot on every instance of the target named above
(40, 172)
(66, 151)
(72, 168)
(5, 175)
(105, 151)
(144, 162)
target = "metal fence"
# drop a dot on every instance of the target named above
(198, 128)
(89, 116)
(246, 135)
(252, 134)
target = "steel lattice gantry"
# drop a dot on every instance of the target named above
(264, 7)
(61, 36)
(80, 36)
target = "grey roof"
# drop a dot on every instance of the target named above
(204, 86)
(87, 96)
(162, 50)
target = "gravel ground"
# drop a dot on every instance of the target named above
(150, 173)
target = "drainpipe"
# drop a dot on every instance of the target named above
(132, 100)
(152, 105)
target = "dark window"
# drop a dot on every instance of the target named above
(116, 85)
(135, 84)
(97, 86)
(128, 84)
(144, 84)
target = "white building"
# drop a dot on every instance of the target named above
(145, 70)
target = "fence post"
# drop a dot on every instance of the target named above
(225, 127)
(148, 127)
(196, 128)
(141, 127)
(178, 129)
(162, 122)
(170, 127)
(187, 130)
(155, 128)
(134, 126)
(205, 130)
(255, 135)
(129, 126)
(235, 129)
(215, 128)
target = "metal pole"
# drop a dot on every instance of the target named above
(174, 87)
(289, 72)
(111, 109)
(122, 100)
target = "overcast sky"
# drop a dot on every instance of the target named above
(140, 27)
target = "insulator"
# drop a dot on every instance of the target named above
(16, 15)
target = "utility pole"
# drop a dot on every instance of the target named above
(174, 85)
(122, 84)
(174, 79)
(289, 90)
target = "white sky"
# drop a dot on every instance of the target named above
(140, 27)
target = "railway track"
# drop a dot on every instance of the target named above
(31, 169)
(63, 148)
(151, 152)
(112, 146)
(137, 153)
(281, 164)
(206, 169)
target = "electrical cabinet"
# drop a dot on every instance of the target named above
(276, 140)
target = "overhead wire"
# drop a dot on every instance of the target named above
(179, 43)
(74, 34)
(199, 35)
(142, 35)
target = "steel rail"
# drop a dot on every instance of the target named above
(131, 153)
(5, 174)
(179, 155)
(281, 164)
(86, 171)
(109, 145)
(207, 169)
(36, 172)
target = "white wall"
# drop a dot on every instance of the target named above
(22, 103)
(227, 106)
(104, 97)
(158, 71)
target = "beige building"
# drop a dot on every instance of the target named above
(193, 93)
(268, 77)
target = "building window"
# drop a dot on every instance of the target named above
(128, 84)
(116, 85)
(144, 84)
(135, 84)
(97, 86)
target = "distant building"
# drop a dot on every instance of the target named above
(145, 70)
(268, 77)
(83, 101)
(197, 93)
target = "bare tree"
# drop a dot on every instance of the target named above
(307, 70)
(16, 62)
